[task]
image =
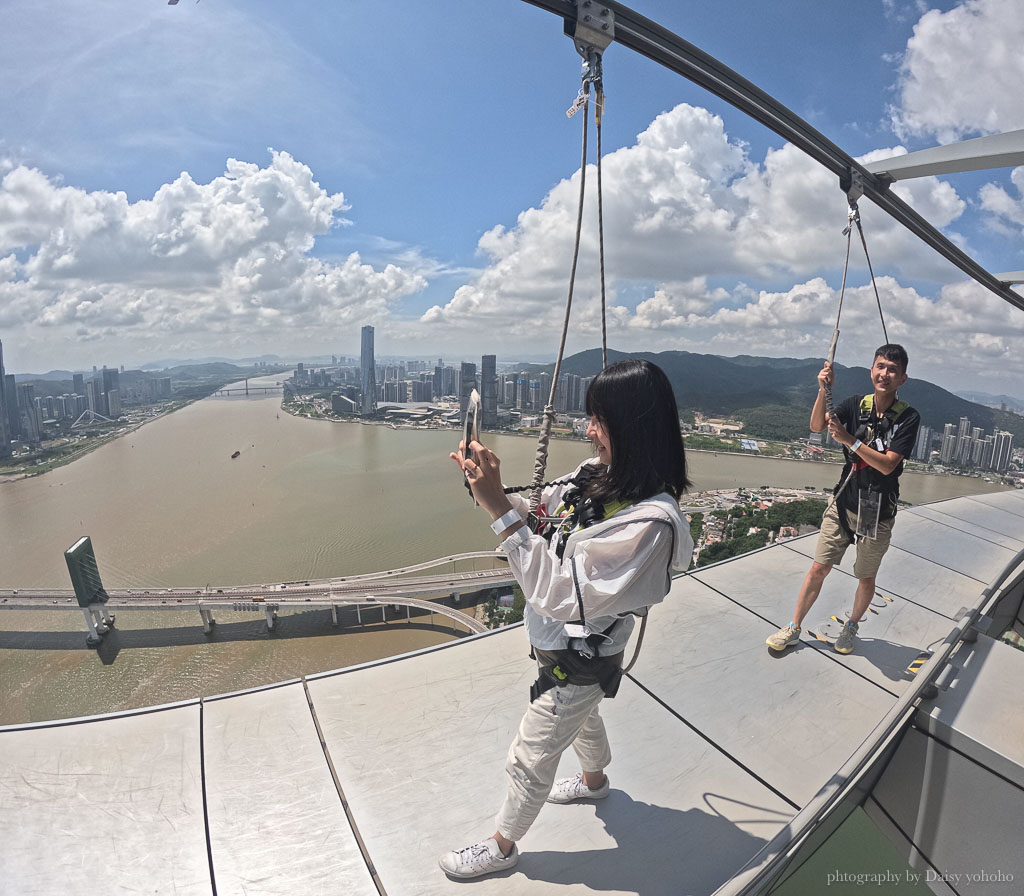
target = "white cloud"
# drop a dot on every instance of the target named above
(229, 266)
(963, 335)
(962, 72)
(208, 265)
(677, 221)
(683, 239)
(1007, 211)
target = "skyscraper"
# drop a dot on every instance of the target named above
(948, 447)
(489, 390)
(923, 446)
(111, 393)
(5, 436)
(962, 454)
(368, 371)
(467, 383)
(28, 410)
(1002, 451)
(567, 395)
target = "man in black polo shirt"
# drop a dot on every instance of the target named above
(876, 432)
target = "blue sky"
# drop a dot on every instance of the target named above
(238, 178)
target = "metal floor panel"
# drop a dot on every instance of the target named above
(906, 575)
(892, 634)
(111, 806)
(979, 713)
(277, 825)
(964, 819)
(792, 719)
(420, 749)
(954, 548)
(1011, 501)
(989, 523)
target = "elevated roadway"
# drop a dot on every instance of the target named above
(406, 586)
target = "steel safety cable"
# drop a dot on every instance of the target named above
(598, 114)
(854, 218)
(541, 459)
(848, 233)
(874, 286)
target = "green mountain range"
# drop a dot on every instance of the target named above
(773, 396)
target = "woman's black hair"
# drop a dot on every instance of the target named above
(634, 401)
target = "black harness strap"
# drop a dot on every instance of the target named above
(570, 666)
(870, 428)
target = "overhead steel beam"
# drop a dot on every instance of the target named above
(650, 39)
(980, 154)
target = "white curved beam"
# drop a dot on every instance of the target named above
(995, 151)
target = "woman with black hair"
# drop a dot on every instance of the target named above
(602, 552)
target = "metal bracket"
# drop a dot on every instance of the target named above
(595, 27)
(856, 188)
(854, 184)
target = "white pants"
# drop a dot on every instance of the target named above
(557, 718)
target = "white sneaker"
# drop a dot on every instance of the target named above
(574, 788)
(784, 637)
(481, 858)
(847, 638)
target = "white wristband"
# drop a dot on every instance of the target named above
(855, 446)
(503, 522)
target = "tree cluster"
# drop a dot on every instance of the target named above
(768, 521)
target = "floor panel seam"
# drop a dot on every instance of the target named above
(813, 646)
(364, 851)
(206, 807)
(714, 743)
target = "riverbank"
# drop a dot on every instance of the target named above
(38, 467)
(776, 451)
(135, 418)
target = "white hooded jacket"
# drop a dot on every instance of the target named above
(614, 568)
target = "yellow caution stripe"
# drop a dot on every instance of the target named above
(916, 665)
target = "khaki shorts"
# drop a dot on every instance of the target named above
(833, 542)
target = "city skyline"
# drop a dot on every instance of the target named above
(164, 214)
(360, 387)
(391, 360)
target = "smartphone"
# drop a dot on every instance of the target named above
(471, 431)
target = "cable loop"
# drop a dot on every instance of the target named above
(540, 462)
(853, 219)
(874, 285)
(591, 76)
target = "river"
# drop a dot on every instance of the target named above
(168, 506)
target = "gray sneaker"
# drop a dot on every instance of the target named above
(481, 858)
(847, 638)
(784, 637)
(574, 788)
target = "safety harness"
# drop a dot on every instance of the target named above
(580, 664)
(858, 475)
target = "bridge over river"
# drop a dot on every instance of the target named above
(250, 390)
(408, 586)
